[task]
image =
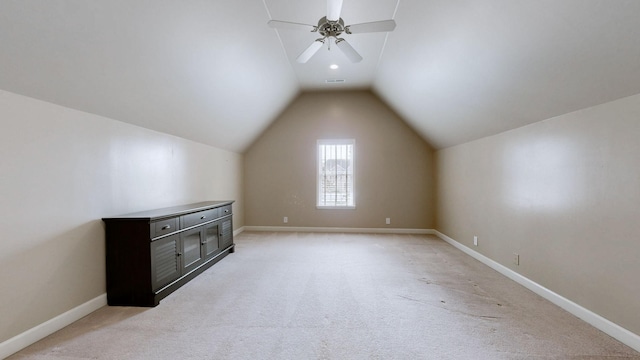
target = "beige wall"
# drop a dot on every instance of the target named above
(565, 195)
(62, 171)
(394, 166)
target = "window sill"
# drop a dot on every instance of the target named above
(335, 207)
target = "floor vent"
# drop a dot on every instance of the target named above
(334, 81)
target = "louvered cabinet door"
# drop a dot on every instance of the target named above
(226, 232)
(165, 261)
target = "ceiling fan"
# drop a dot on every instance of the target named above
(332, 26)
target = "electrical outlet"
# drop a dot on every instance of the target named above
(516, 259)
(285, 220)
(475, 240)
(388, 221)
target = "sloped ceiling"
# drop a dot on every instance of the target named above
(212, 71)
(461, 70)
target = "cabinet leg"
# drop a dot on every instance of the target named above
(233, 249)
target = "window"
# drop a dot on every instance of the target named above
(336, 170)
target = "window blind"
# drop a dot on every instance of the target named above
(336, 175)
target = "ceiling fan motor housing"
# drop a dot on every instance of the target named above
(330, 28)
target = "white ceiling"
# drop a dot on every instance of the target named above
(214, 72)
(461, 70)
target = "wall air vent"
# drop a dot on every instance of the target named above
(334, 81)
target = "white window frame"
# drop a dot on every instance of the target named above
(321, 199)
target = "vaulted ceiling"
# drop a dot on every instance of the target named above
(214, 72)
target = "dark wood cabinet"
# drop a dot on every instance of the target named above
(150, 254)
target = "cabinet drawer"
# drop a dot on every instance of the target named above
(225, 210)
(199, 217)
(162, 227)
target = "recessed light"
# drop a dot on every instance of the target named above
(333, 67)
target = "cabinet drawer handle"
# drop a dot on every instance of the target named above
(203, 217)
(166, 227)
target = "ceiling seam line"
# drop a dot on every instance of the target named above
(384, 45)
(284, 50)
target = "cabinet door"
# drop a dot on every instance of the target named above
(210, 242)
(165, 261)
(191, 250)
(226, 233)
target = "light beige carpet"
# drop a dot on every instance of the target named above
(337, 296)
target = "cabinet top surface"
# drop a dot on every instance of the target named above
(170, 211)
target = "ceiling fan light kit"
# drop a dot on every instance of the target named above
(332, 26)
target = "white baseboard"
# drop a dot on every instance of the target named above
(612, 329)
(339, 230)
(47, 328)
(238, 231)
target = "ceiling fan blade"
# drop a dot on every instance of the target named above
(348, 50)
(375, 26)
(277, 24)
(310, 51)
(334, 7)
